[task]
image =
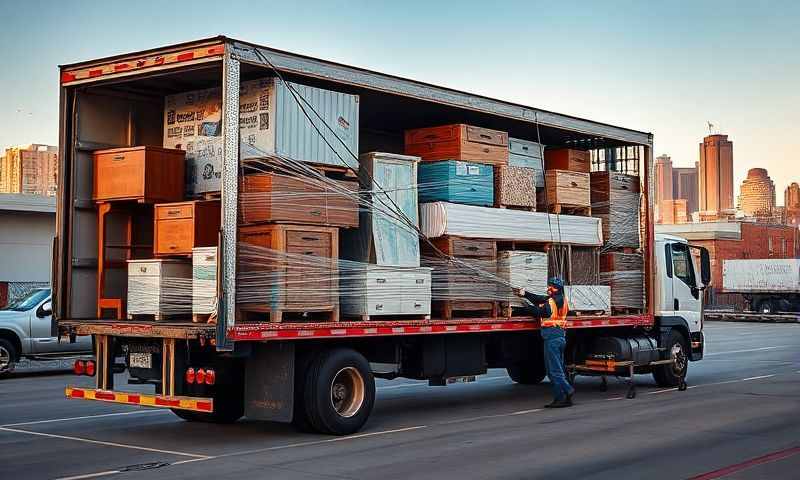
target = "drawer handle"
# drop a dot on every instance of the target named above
(173, 212)
(118, 157)
(417, 305)
(624, 187)
(310, 239)
(487, 137)
(379, 306)
(380, 280)
(431, 136)
(420, 280)
(316, 213)
(573, 184)
(472, 248)
(308, 253)
(486, 150)
(529, 260)
(525, 148)
(173, 247)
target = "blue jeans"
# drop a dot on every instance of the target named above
(555, 341)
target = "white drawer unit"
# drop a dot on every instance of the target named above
(369, 290)
(159, 287)
(523, 269)
(204, 280)
(524, 153)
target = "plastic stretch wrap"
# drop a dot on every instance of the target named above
(159, 287)
(523, 269)
(525, 153)
(515, 186)
(441, 218)
(620, 220)
(589, 298)
(624, 273)
(455, 181)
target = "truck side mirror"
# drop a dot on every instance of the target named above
(45, 309)
(705, 267)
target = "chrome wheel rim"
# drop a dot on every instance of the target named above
(679, 357)
(5, 360)
(347, 392)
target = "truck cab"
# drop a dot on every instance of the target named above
(683, 272)
(25, 331)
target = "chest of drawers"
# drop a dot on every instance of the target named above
(456, 182)
(567, 159)
(159, 287)
(373, 290)
(143, 174)
(180, 227)
(458, 142)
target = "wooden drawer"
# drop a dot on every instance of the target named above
(458, 142)
(567, 159)
(145, 174)
(304, 239)
(320, 251)
(567, 188)
(466, 247)
(268, 197)
(180, 227)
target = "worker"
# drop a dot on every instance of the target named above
(552, 309)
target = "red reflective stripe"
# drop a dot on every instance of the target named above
(218, 50)
(121, 66)
(182, 57)
(204, 406)
(95, 73)
(167, 402)
(77, 394)
(67, 77)
(104, 395)
(134, 399)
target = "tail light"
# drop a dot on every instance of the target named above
(79, 367)
(211, 377)
(190, 376)
(90, 368)
(200, 376)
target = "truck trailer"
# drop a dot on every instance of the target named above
(769, 286)
(320, 374)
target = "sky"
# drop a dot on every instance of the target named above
(663, 67)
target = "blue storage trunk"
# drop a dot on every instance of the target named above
(456, 182)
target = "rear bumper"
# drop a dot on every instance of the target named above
(195, 404)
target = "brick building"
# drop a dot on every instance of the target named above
(757, 197)
(736, 240)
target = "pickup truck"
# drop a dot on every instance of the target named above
(25, 332)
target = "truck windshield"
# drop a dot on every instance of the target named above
(30, 300)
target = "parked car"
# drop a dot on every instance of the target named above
(25, 332)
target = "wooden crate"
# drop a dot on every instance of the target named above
(456, 182)
(286, 283)
(180, 227)
(271, 197)
(370, 291)
(515, 187)
(458, 142)
(575, 265)
(567, 159)
(624, 273)
(143, 174)
(567, 189)
(615, 200)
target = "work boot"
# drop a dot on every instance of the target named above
(562, 403)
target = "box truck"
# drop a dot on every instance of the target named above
(768, 286)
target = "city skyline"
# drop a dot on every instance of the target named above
(733, 74)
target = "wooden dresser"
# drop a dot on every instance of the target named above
(276, 278)
(567, 159)
(180, 227)
(458, 142)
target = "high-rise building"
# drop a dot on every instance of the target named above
(791, 203)
(757, 194)
(663, 184)
(715, 175)
(674, 211)
(684, 186)
(31, 169)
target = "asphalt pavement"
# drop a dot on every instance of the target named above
(739, 419)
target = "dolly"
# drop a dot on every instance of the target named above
(608, 366)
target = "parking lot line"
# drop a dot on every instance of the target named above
(85, 417)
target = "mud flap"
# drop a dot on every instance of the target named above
(269, 382)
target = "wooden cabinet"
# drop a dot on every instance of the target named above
(204, 282)
(458, 142)
(180, 227)
(523, 269)
(289, 268)
(373, 290)
(615, 200)
(565, 188)
(143, 174)
(465, 247)
(159, 287)
(567, 159)
(270, 197)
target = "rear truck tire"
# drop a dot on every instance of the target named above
(8, 357)
(339, 392)
(527, 373)
(673, 375)
(766, 306)
(300, 416)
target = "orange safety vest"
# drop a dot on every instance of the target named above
(558, 318)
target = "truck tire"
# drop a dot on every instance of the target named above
(8, 357)
(339, 392)
(672, 375)
(766, 306)
(300, 416)
(527, 373)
